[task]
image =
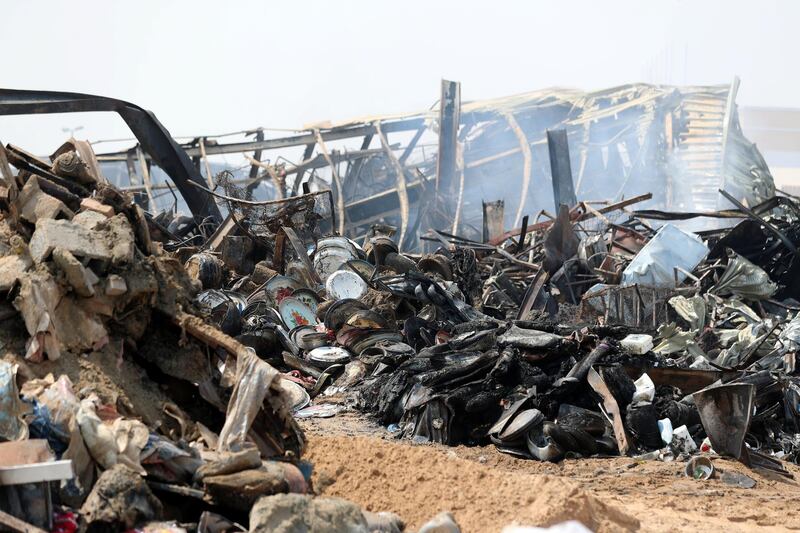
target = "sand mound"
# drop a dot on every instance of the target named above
(418, 482)
(558, 500)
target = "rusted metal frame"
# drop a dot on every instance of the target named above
(336, 179)
(333, 134)
(527, 160)
(319, 161)
(280, 184)
(442, 237)
(402, 192)
(354, 171)
(148, 185)
(151, 134)
(516, 261)
(231, 220)
(248, 202)
(575, 216)
(411, 145)
(306, 156)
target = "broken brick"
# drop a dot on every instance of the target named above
(90, 204)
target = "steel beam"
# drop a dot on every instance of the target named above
(333, 134)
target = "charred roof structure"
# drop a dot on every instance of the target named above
(682, 144)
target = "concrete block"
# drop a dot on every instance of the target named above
(34, 204)
(112, 240)
(300, 512)
(89, 219)
(70, 236)
(120, 238)
(12, 267)
(77, 275)
(240, 490)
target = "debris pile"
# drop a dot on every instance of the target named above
(155, 365)
(576, 336)
(121, 405)
(621, 339)
(593, 332)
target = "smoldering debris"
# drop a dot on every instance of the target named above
(155, 364)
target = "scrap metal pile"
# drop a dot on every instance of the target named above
(596, 332)
(677, 338)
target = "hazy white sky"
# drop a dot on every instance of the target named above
(208, 67)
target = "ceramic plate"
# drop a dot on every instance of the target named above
(296, 313)
(338, 313)
(308, 297)
(344, 284)
(295, 394)
(279, 287)
(360, 266)
(329, 355)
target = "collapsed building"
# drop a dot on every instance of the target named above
(493, 287)
(682, 144)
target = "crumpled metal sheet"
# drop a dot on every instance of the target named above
(736, 310)
(692, 310)
(790, 336)
(675, 340)
(654, 265)
(743, 278)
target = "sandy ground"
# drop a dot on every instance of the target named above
(487, 490)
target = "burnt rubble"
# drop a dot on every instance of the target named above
(155, 365)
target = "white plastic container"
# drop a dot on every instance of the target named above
(637, 343)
